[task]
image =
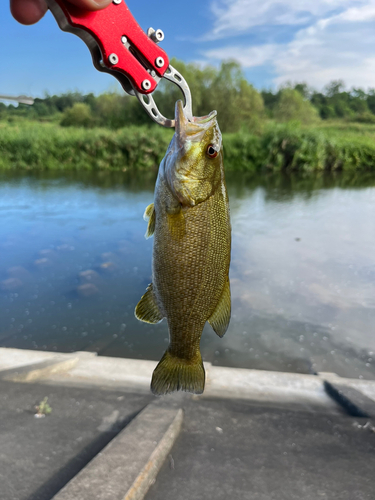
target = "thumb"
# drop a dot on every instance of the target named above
(28, 11)
(91, 4)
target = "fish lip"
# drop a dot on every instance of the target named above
(201, 120)
(186, 128)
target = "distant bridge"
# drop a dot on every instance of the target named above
(23, 99)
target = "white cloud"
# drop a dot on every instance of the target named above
(233, 16)
(334, 49)
(248, 57)
(339, 46)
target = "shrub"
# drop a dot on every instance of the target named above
(79, 115)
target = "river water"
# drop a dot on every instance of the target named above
(74, 263)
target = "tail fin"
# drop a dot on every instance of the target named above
(177, 374)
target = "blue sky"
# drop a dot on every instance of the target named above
(276, 41)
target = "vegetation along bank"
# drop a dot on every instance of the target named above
(139, 149)
(292, 129)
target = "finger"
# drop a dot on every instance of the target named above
(28, 11)
(31, 11)
(91, 4)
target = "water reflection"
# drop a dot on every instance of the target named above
(74, 263)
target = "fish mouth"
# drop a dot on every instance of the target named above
(186, 129)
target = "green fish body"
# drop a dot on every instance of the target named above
(192, 242)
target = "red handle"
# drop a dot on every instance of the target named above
(108, 27)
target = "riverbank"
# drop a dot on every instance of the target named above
(39, 146)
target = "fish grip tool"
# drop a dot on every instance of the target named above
(120, 47)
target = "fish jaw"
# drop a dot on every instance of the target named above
(191, 174)
(193, 130)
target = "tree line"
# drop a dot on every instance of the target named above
(226, 89)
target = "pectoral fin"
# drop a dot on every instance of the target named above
(221, 316)
(149, 216)
(147, 309)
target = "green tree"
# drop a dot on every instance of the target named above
(225, 89)
(249, 107)
(292, 106)
(334, 88)
(303, 89)
(370, 99)
(270, 99)
(236, 101)
(109, 110)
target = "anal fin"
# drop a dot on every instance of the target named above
(147, 309)
(220, 318)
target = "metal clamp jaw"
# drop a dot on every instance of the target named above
(120, 47)
(150, 106)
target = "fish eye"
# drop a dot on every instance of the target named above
(212, 152)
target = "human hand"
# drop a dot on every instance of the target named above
(31, 11)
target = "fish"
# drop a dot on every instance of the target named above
(190, 223)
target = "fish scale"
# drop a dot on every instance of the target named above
(190, 285)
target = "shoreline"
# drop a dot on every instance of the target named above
(86, 369)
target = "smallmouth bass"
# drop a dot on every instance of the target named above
(190, 222)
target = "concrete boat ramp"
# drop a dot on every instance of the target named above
(253, 434)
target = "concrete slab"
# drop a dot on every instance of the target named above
(245, 451)
(135, 375)
(255, 385)
(129, 464)
(39, 456)
(103, 371)
(37, 371)
(15, 358)
(259, 385)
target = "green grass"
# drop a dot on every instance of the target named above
(45, 146)
(339, 127)
(329, 146)
(291, 147)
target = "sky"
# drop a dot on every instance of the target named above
(313, 41)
